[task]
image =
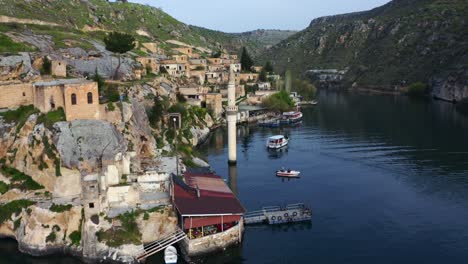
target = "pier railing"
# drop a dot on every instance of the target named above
(155, 247)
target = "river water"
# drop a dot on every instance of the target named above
(386, 177)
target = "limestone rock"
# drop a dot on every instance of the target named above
(87, 141)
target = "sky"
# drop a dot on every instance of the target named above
(245, 15)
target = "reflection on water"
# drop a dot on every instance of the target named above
(233, 178)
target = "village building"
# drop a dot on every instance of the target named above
(256, 68)
(185, 50)
(249, 77)
(233, 57)
(236, 67)
(59, 68)
(210, 214)
(175, 69)
(274, 77)
(180, 58)
(264, 86)
(149, 64)
(214, 103)
(215, 61)
(152, 47)
(194, 94)
(215, 68)
(198, 62)
(79, 98)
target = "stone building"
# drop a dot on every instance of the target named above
(214, 103)
(59, 68)
(79, 98)
(147, 63)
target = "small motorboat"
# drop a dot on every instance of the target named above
(288, 173)
(277, 142)
(170, 255)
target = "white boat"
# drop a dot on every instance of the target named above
(288, 173)
(277, 142)
(291, 117)
(170, 255)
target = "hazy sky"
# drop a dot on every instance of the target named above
(245, 15)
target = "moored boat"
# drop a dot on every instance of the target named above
(277, 142)
(288, 173)
(170, 255)
(291, 117)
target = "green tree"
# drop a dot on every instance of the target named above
(268, 67)
(119, 43)
(98, 78)
(304, 88)
(246, 61)
(263, 75)
(46, 66)
(417, 89)
(157, 112)
(280, 101)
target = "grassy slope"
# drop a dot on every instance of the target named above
(410, 40)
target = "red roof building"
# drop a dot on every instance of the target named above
(204, 200)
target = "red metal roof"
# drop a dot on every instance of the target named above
(215, 196)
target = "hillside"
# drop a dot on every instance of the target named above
(402, 42)
(259, 40)
(77, 23)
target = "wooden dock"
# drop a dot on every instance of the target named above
(274, 215)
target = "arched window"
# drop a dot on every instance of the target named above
(73, 99)
(90, 98)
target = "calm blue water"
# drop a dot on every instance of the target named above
(387, 180)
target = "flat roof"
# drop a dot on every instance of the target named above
(276, 137)
(215, 196)
(61, 82)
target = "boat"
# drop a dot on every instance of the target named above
(277, 142)
(170, 255)
(288, 173)
(270, 123)
(291, 117)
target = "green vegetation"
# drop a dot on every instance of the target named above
(305, 89)
(156, 113)
(127, 234)
(20, 180)
(51, 237)
(75, 236)
(417, 89)
(180, 98)
(17, 224)
(14, 207)
(9, 46)
(59, 208)
(268, 67)
(3, 187)
(110, 107)
(280, 101)
(119, 43)
(51, 118)
(263, 75)
(19, 116)
(46, 68)
(246, 61)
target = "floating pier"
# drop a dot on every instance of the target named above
(274, 215)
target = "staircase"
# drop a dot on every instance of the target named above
(159, 245)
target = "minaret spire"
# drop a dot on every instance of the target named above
(231, 114)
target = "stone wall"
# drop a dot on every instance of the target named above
(213, 243)
(47, 98)
(59, 68)
(82, 109)
(15, 94)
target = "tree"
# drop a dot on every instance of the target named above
(46, 66)
(98, 78)
(280, 102)
(119, 43)
(246, 61)
(263, 75)
(268, 67)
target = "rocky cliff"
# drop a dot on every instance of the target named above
(402, 42)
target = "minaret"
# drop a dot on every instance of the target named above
(231, 113)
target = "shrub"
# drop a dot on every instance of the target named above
(20, 180)
(14, 207)
(417, 89)
(3, 187)
(180, 98)
(51, 237)
(128, 234)
(51, 118)
(60, 208)
(280, 101)
(75, 237)
(19, 116)
(17, 224)
(46, 66)
(111, 107)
